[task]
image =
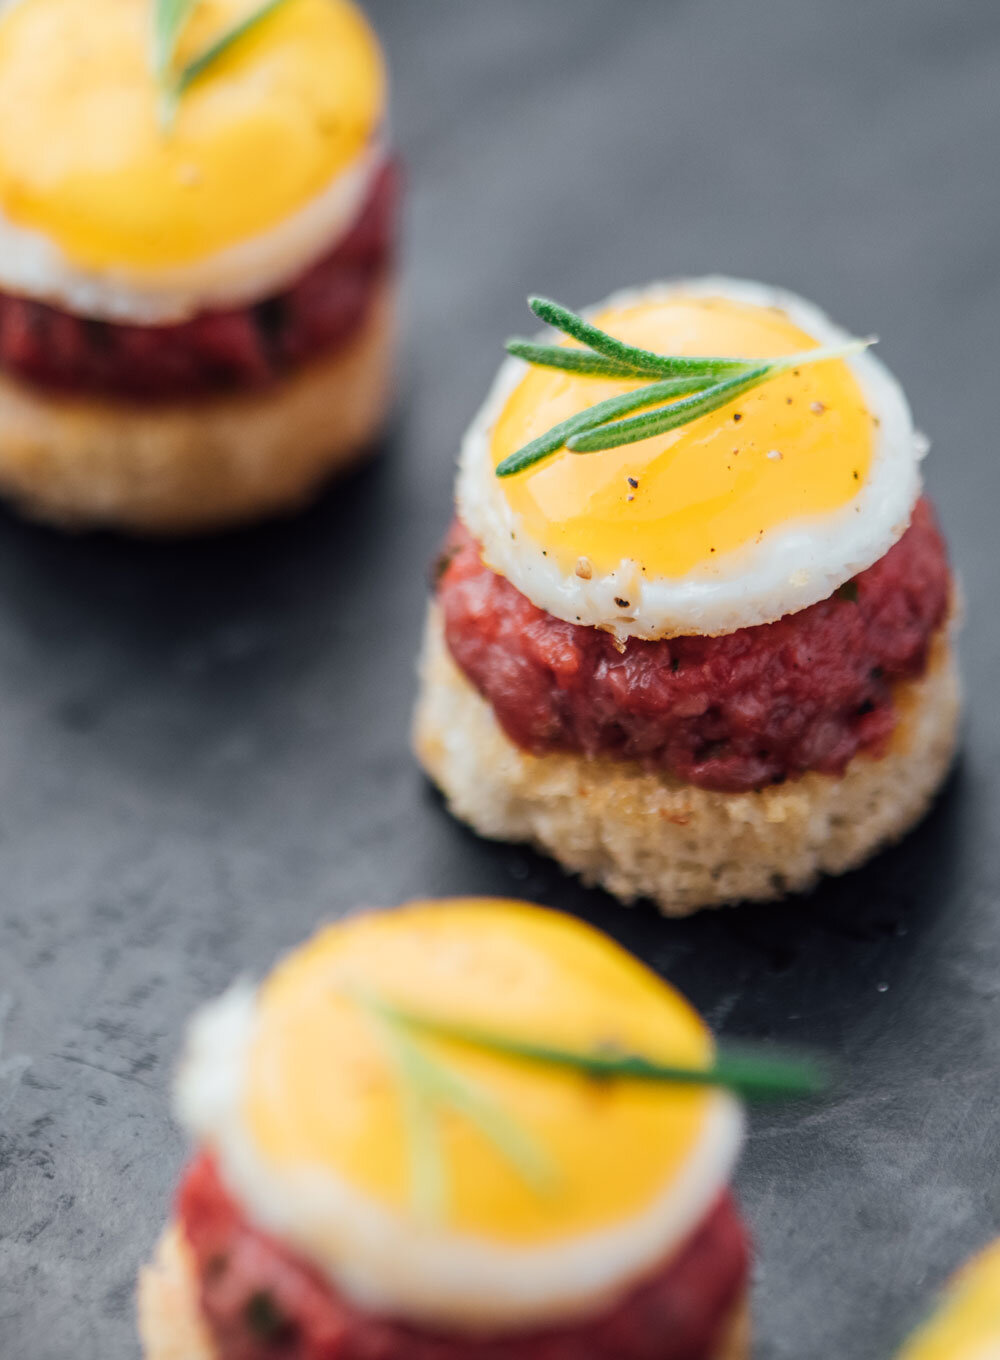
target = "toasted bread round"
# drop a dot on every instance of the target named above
(170, 1326)
(647, 835)
(184, 467)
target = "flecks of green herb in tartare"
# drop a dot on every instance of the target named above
(263, 1316)
(848, 592)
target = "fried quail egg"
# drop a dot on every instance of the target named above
(751, 512)
(302, 1097)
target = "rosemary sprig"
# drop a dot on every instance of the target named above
(428, 1084)
(691, 385)
(570, 360)
(170, 17)
(642, 361)
(754, 1075)
(428, 1181)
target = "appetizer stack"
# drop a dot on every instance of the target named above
(391, 1164)
(690, 632)
(196, 242)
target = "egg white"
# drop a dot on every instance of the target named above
(794, 565)
(390, 1262)
(33, 265)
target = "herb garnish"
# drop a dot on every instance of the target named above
(429, 1084)
(686, 386)
(755, 1075)
(169, 18)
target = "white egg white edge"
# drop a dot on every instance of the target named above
(791, 567)
(393, 1264)
(34, 266)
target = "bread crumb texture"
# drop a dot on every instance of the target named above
(646, 835)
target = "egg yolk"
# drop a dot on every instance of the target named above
(86, 160)
(324, 1088)
(799, 445)
(968, 1325)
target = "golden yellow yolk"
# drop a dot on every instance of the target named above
(85, 160)
(323, 1090)
(707, 488)
(967, 1327)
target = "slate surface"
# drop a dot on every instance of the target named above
(203, 747)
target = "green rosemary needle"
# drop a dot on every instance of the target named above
(428, 1179)
(754, 1075)
(605, 411)
(198, 65)
(643, 360)
(690, 386)
(570, 360)
(169, 19)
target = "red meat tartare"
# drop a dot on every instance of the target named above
(260, 1301)
(730, 713)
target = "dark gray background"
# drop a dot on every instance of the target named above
(203, 748)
